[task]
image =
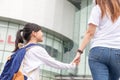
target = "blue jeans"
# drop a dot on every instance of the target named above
(105, 63)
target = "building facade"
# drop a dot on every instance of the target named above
(63, 23)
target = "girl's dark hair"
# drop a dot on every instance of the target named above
(23, 35)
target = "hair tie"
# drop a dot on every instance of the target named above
(20, 45)
(21, 30)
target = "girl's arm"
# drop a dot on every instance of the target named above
(42, 55)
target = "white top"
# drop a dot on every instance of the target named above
(37, 56)
(107, 33)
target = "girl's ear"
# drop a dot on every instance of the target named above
(33, 33)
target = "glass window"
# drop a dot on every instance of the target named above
(1, 55)
(12, 30)
(3, 24)
(55, 72)
(1, 58)
(3, 33)
(56, 44)
(57, 50)
(45, 78)
(49, 43)
(49, 40)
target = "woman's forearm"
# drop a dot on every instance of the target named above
(88, 36)
(85, 41)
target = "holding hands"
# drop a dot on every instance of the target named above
(76, 60)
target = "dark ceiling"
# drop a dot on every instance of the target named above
(76, 3)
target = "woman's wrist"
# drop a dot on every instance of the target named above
(79, 51)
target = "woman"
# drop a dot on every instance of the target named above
(36, 55)
(104, 33)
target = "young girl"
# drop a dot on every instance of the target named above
(36, 55)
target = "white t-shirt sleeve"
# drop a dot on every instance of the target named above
(42, 56)
(95, 15)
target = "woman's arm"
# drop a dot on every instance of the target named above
(93, 22)
(88, 36)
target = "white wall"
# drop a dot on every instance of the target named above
(57, 15)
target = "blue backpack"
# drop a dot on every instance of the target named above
(11, 68)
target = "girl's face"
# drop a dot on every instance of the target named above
(38, 36)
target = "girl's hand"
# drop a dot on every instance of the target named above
(76, 60)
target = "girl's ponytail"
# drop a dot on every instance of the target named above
(19, 39)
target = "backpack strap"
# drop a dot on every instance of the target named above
(19, 75)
